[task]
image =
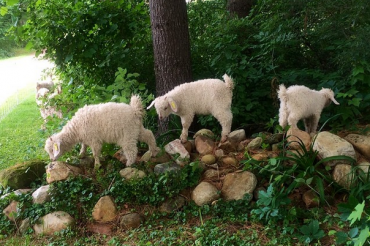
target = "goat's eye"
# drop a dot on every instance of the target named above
(165, 108)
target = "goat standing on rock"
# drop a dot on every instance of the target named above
(94, 125)
(299, 102)
(203, 97)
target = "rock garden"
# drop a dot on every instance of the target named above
(202, 171)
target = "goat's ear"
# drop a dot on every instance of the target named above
(151, 105)
(56, 148)
(173, 104)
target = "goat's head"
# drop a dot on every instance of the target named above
(329, 95)
(52, 147)
(164, 106)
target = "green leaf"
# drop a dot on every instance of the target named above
(3, 11)
(364, 234)
(11, 2)
(357, 213)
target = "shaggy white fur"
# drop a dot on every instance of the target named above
(299, 102)
(208, 96)
(94, 125)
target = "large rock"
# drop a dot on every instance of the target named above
(132, 173)
(22, 175)
(176, 147)
(41, 195)
(105, 210)
(360, 142)
(344, 175)
(328, 144)
(296, 137)
(237, 185)
(58, 170)
(204, 145)
(204, 193)
(53, 222)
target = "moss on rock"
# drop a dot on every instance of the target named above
(21, 175)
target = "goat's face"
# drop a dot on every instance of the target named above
(163, 107)
(53, 149)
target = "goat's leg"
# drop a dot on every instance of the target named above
(186, 122)
(83, 150)
(308, 124)
(147, 137)
(314, 123)
(130, 149)
(225, 118)
(96, 150)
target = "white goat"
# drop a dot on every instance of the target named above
(208, 96)
(43, 99)
(94, 125)
(299, 102)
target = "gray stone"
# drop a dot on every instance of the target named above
(166, 167)
(237, 136)
(204, 193)
(237, 185)
(41, 195)
(132, 173)
(24, 226)
(328, 144)
(254, 144)
(172, 204)
(131, 221)
(53, 222)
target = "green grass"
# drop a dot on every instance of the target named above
(20, 135)
(19, 53)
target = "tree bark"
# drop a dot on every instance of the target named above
(171, 46)
(240, 8)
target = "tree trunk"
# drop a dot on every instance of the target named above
(240, 8)
(171, 45)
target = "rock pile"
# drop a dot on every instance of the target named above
(222, 177)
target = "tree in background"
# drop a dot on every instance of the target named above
(241, 8)
(171, 45)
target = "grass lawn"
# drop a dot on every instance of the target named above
(20, 135)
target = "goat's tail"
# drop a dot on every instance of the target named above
(283, 110)
(229, 82)
(137, 105)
